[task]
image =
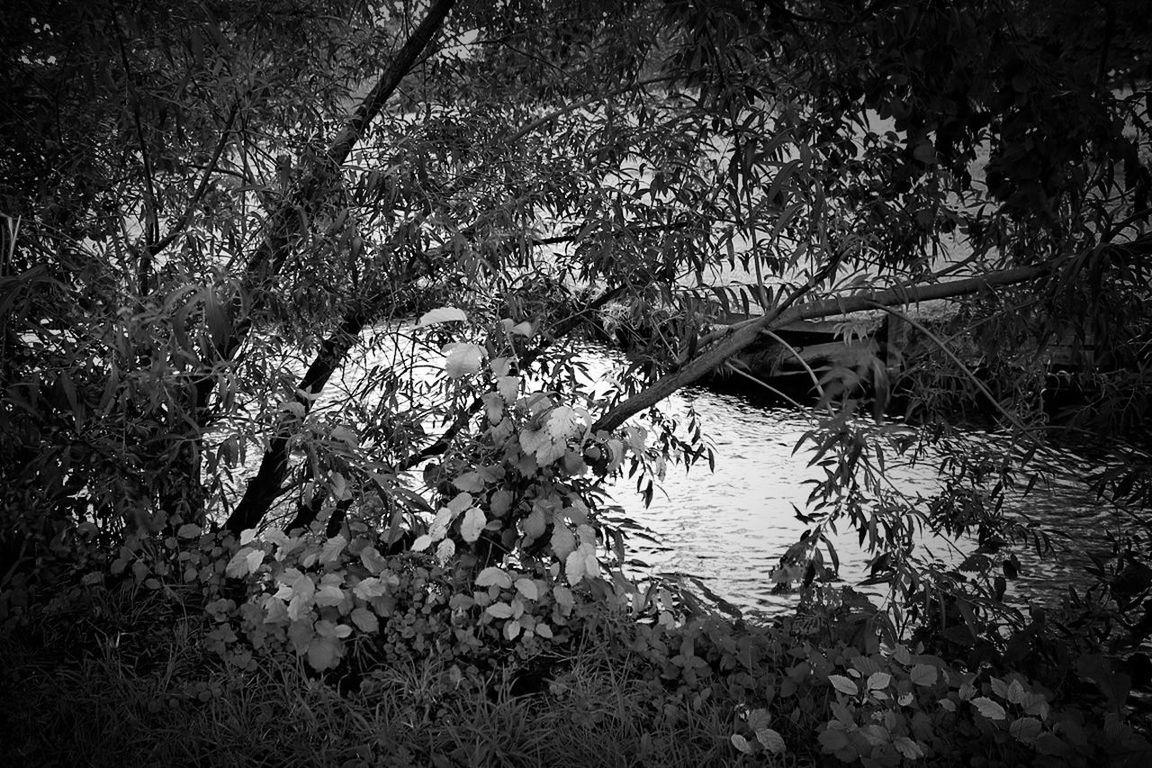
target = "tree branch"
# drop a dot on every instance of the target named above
(263, 489)
(306, 513)
(285, 223)
(151, 212)
(186, 218)
(744, 334)
(387, 84)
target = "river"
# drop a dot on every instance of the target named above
(729, 527)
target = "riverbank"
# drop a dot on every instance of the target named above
(119, 670)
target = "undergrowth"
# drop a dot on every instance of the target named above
(131, 660)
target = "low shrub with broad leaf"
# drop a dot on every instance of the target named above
(508, 582)
(822, 685)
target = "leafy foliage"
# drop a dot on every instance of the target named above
(211, 212)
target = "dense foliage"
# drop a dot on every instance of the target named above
(289, 288)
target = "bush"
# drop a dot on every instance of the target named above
(205, 620)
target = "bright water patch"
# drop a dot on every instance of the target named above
(730, 527)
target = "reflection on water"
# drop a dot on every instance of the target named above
(730, 527)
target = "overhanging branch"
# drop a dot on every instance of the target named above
(744, 334)
(285, 223)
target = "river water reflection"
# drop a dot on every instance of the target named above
(729, 527)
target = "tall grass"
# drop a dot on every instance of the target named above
(123, 681)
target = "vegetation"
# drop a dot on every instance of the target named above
(300, 464)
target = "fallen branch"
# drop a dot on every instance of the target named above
(744, 334)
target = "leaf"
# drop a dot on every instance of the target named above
(574, 569)
(772, 740)
(528, 588)
(339, 486)
(329, 595)
(373, 560)
(279, 538)
(500, 502)
(522, 329)
(494, 411)
(923, 674)
(255, 558)
(462, 360)
(244, 562)
(345, 435)
(535, 524)
(445, 550)
(988, 708)
(1051, 744)
(472, 524)
(925, 153)
(442, 315)
(908, 748)
(878, 681)
(512, 630)
(875, 734)
(1036, 704)
(323, 653)
(544, 630)
(369, 588)
(499, 610)
(1026, 730)
(189, 531)
(365, 620)
(472, 482)
(276, 612)
(741, 743)
(842, 713)
(493, 576)
(843, 684)
(508, 387)
(758, 719)
(247, 535)
(563, 597)
(563, 542)
(301, 633)
(422, 543)
(459, 503)
(550, 441)
(833, 740)
(332, 549)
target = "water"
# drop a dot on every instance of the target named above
(728, 528)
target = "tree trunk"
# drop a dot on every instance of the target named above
(265, 487)
(285, 224)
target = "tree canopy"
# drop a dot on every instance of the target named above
(212, 208)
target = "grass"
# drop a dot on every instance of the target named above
(123, 676)
(123, 680)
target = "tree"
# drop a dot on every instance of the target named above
(204, 201)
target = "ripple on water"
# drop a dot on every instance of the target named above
(729, 527)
